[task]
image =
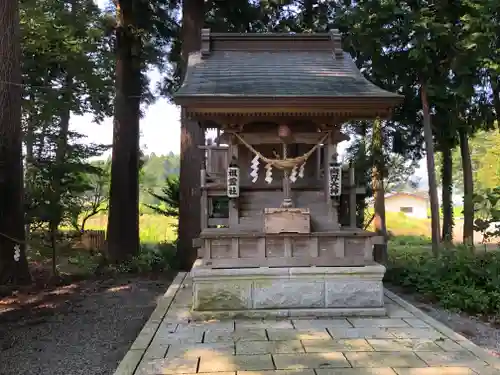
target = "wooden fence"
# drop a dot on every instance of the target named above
(94, 240)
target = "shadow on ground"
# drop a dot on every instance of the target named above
(82, 328)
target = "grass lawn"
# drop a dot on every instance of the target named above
(152, 228)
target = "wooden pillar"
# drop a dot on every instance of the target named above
(352, 197)
(233, 202)
(204, 195)
(287, 199)
(330, 151)
(285, 135)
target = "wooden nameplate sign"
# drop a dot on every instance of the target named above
(287, 220)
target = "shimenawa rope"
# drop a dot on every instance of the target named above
(283, 163)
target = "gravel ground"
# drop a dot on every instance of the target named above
(483, 334)
(80, 329)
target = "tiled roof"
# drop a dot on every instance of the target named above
(280, 73)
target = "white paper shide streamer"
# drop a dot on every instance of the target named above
(301, 170)
(297, 172)
(269, 173)
(255, 169)
(294, 173)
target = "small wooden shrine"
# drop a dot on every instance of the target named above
(272, 240)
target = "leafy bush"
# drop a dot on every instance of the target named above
(169, 198)
(151, 258)
(458, 279)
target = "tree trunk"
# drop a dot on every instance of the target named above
(495, 85)
(123, 219)
(192, 135)
(380, 251)
(309, 15)
(59, 166)
(11, 167)
(447, 189)
(468, 230)
(361, 167)
(29, 140)
(431, 172)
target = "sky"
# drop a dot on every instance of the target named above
(160, 127)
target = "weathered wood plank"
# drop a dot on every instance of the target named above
(290, 220)
(203, 201)
(310, 138)
(352, 198)
(214, 221)
(197, 242)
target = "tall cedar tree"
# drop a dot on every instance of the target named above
(123, 219)
(192, 136)
(11, 170)
(379, 222)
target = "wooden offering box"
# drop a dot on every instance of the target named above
(287, 220)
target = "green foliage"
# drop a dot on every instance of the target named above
(76, 177)
(94, 198)
(485, 153)
(155, 169)
(458, 279)
(487, 208)
(151, 258)
(170, 198)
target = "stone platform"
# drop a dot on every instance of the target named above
(405, 342)
(287, 291)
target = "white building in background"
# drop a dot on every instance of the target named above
(411, 204)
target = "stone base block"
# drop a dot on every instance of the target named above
(288, 291)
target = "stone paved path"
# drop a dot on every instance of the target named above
(406, 342)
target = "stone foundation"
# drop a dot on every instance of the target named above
(288, 291)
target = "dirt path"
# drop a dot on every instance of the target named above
(80, 329)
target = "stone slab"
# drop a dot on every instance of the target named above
(275, 294)
(278, 372)
(288, 288)
(296, 334)
(357, 371)
(366, 333)
(269, 347)
(222, 296)
(242, 335)
(384, 359)
(167, 366)
(381, 323)
(241, 324)
(200, 350)
(462, 358)
(435, 371)
(354, 292)
(236, 363)
(310, 360)
(395, 345)
(349, 345)
(321, 323)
